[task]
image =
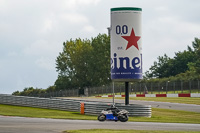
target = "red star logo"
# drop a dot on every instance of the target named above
(132, 40)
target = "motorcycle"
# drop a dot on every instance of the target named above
(113, 114)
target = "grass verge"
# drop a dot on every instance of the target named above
(125, 131)
(10, 110)
(169, 116)
(186, 100)
(158, 115)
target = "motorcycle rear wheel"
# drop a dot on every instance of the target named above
(123, 118)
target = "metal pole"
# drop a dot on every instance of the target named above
(181, 86)
(190, 86)
(113, 94)
(198, 86)
(126, 93)
(135, 88)
(174, 87)
(120, 90)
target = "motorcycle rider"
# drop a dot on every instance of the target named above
(114, 110)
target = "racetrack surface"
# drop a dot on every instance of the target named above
(164, 105)
(42, 125)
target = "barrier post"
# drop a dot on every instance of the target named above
(82, 108)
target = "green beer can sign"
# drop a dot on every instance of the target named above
(126, 44)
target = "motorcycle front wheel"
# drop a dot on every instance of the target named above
(123, 118)
(101, 117)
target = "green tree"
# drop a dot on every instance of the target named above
(83, 63)
(72, 64)
(194, 66)
(50, 89)
(16, 93)
(182, 62)
(161, 68)
(196, 46)
(100, 60)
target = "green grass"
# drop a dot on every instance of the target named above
(124, 131)
(169, 116)
(10, 110)
(186, 100)
(158, 115)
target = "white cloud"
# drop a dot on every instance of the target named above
(175, 28)
(161, 8)
(39, 48)
(75, 4)
(87, 2)
(2, 5)
(47, 26)
(74, 18)
(12, 54)
(45, 63)
(88, 29)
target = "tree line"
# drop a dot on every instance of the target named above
(183, 66)
(86, 63)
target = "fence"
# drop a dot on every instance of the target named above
(134, 88)
(61, 93)
(149, 87)
(90, 108)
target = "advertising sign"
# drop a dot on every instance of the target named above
(126, 44)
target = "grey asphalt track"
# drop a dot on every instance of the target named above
(41, 125)
(164, 105)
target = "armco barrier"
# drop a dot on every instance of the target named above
(84, 107)
(60, 104)
(133, 109)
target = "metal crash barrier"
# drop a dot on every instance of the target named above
(84, 107)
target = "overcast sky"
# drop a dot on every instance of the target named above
(32, 33)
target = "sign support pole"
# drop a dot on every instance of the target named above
(126, 93)
(113, 93)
